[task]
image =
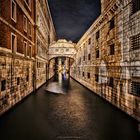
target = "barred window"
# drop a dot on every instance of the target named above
(135, 88)
(135, 5)
(135, 42)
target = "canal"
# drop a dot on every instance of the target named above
(74, 114)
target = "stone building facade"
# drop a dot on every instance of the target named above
(18, 49)
(108, 60)
(45, 34)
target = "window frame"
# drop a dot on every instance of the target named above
(30, 29)
(97, 34)
(112, 49)
(97, 56)
(83, 74)
(25, 49)
(89, 41)
(25, 26)
(30, 49)
(14, 18)
(89, 56)
(28, 5)
(13, 48)
(3, 88)
(88, 75)
(112, 23)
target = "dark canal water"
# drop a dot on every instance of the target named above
(77, 114)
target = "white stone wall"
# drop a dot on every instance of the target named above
(118, 66)
(18, 75)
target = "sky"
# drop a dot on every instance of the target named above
(72, 18)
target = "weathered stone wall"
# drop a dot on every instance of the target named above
(103, 60)
(45, 34)
(16, 64)
(16, 76)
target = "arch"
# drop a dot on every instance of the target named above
(53, 57)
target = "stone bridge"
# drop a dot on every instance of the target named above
(62, 48)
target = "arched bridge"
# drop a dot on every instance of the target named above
(62, 48)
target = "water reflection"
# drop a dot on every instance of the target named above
(78, 114)
(60, 83)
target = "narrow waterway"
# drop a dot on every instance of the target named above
(77, 114)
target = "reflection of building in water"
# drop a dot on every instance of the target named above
(108, 55)
(63, 64)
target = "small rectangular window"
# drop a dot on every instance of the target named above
(25, 48)
(112, 23)
(83, 74)
(89, 41)
(135, 6)
(89, 56)
(18, 81)
(27, 78)
(97, 35)
(83, 58)
(96, 77)
(3, 85)
(111, 82)
(97, 53)
(28, 3)
(13, 11)
(112, 49)
(29, 51)
(25, 23)
(30, 29)
(88, 75)
(13, 42)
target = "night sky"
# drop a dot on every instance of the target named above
(73, 17)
